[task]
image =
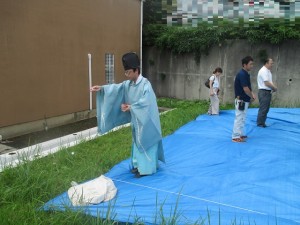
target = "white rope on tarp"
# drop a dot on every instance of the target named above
(198, 198)
(190, 196)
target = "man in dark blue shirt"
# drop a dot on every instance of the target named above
(243, 96)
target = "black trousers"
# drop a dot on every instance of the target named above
(264, 97)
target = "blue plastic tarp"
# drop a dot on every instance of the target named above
(208, 178)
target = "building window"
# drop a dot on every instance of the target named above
(109, 68)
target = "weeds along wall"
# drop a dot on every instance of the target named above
(182, 76)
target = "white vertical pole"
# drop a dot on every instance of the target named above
(90, 80)
(141, 36)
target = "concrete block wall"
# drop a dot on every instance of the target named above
(180, 76)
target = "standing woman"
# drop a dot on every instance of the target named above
(214, 88)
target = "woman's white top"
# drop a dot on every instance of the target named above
(216, 81)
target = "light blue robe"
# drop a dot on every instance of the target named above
(147, 146)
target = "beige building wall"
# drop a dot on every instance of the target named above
(44, 49)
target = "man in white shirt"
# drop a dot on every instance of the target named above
(266, 87)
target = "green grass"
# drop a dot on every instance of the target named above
(27, 187)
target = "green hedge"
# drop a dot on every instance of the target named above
(199, 40)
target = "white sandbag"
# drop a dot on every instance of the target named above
(101, 189)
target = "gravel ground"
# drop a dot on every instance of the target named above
(42, 136)
(24, 141)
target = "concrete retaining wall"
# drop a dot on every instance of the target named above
(179, 76)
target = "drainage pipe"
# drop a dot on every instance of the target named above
(90, 80)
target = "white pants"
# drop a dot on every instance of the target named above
(214, 103)
(240, 119)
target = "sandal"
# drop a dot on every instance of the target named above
(238, 140)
